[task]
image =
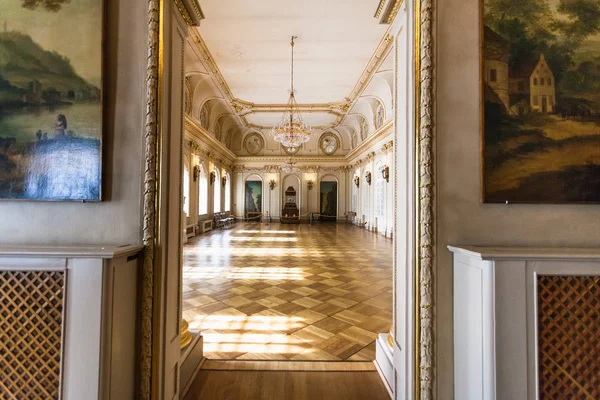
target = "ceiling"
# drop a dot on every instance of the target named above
(250, 45)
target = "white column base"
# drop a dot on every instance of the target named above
(384, 360)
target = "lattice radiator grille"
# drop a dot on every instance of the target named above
(31, 318)
(569, 337)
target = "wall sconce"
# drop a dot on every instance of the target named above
(213, 177)
(196, 172)
(357, 181)
(310, 184)
(385, 172)
(224, 181)
(368, 177)
(272, 184)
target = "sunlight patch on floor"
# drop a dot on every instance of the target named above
(268, 273)
(247, 323)
(265, 251)
(259, 231)
(262, 239)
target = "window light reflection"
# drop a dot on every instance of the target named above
(227, 252)
(258, 231)
(262, 239)
(245, 323)
(269, 273)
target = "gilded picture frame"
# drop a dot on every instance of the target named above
(539, 126)
(51, 101)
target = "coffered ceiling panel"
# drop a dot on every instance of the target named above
(250, 44)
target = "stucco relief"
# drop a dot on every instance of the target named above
(253, 143)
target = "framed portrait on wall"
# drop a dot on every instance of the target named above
(51, 99)
(540, 94)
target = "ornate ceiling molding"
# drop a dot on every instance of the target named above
(299, 159)
(384, 130)
(244, 108)
(190, 11)
(305, 169)
(388, 17)
(380, 8)
(241, 108)
(201, 135)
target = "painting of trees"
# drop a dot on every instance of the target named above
(541, 101)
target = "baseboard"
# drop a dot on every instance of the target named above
(384, 381)
(193, 359)
(384, 361)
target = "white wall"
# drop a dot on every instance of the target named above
(118, 218)
(461, 218)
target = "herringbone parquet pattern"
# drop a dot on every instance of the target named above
(288, 292)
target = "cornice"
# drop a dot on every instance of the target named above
(379, 134)
(391, 11)
(299, 159)
(380, 8)
(199, 133)
(190, 11)
(306, 169)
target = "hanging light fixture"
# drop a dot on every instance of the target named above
(291, 132)
(289, 166)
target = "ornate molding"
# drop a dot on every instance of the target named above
(380, 8)
(387, 147)
(425, 206)
(195, 130)
(384, 46)
(272, 169)
(183, 11)
(241, 108)
(392, 9)
(385, 129)
(150, 199)
(190, 11)
(188, 95)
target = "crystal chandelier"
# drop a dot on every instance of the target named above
(289, 166)
(291, 132)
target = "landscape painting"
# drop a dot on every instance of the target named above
(329, 201)
(541, 101)
(253, 197)
(51, 99)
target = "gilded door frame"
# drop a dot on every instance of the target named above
(424, 343)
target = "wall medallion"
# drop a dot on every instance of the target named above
(328, 143)
(254, 143)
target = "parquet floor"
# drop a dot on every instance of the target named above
(288, 292)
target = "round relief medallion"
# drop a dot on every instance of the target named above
(254, 143)
(328, 143)
(291, 150)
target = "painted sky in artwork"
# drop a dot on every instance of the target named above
(80, 19)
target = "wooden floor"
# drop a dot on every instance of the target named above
(289, 292)
(286, 385)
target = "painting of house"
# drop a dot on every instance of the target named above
(540, 103)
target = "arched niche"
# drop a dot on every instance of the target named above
(294, 181)
(329, 198)
(253, 194)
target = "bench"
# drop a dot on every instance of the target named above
(223, 220)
